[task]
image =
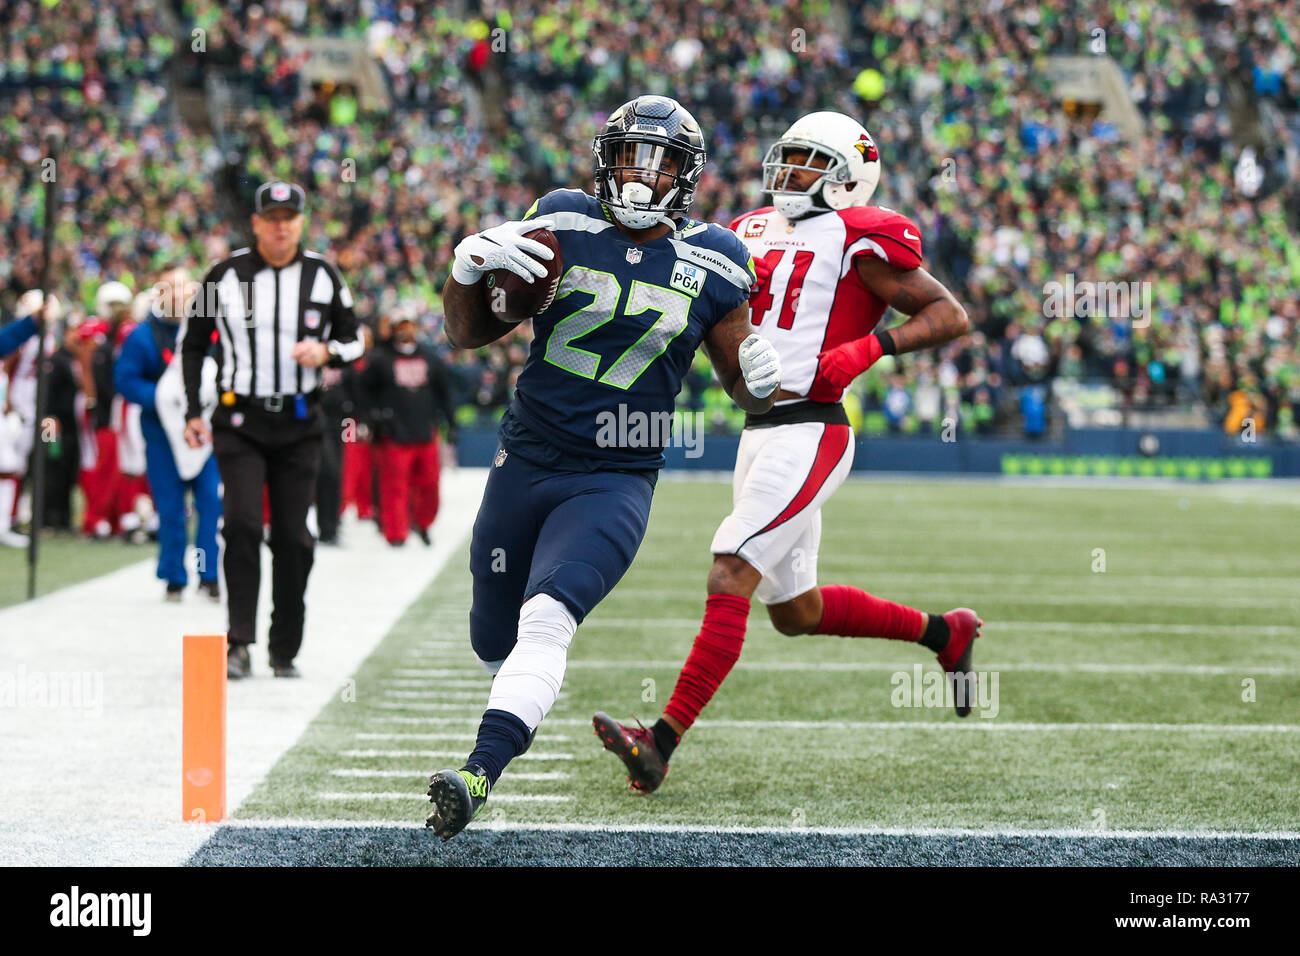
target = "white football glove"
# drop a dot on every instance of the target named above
(502, 247)
(760, 365)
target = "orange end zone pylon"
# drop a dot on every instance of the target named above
(203, 728)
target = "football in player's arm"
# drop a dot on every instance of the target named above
(731, 345)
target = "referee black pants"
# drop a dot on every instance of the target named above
(255, 449)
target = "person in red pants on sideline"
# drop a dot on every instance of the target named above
(407, 391)
(357, 469)
(100, 473)
(359, 473)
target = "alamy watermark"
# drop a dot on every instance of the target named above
(630, 428)
(921, 688)
(74, 908)
(79, 690)
(1112, 300)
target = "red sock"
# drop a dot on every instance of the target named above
(716, 648)
(852, 612)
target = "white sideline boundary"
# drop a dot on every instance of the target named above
(1071, 833)
(80, 788)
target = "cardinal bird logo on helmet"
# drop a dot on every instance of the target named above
(867, 148)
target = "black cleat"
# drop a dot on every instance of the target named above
(285, 670)
(963, 627)
(238, 665)
(636, 748)
(212, 589)
(456, 795)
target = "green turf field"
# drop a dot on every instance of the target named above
(65, 560)
(1120, 693)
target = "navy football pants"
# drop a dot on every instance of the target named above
(568, 534)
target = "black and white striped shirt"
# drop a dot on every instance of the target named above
(259, 313)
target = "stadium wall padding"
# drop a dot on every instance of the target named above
(1181, 454)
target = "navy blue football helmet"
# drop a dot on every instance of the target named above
(650, 139)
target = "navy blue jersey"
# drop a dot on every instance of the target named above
(609, 355)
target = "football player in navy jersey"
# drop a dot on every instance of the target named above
(568, 496)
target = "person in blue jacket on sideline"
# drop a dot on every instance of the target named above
(145, 355)
(13, 335)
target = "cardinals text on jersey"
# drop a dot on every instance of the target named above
(812, 298)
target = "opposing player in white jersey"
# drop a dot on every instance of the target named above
(828, 266)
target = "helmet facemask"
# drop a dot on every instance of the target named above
(658, 178)
(777, 170)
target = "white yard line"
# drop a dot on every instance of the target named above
(1141, 597)
(100, 785)
(442, 677)
(436, 754)
(1084, 578)
(419, 705)
(940, 725)
(872, 667)
(423, 773)
(496, 798)
(437, 683)
(994, 625)
(1009, 726)
(467, 735)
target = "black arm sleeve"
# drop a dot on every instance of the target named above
(200, 323)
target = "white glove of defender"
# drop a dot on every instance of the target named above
(760, 365)
(502, 247)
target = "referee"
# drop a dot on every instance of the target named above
(279, 313)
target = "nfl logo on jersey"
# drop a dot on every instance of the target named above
(634, 256)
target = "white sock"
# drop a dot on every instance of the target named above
(529, 681)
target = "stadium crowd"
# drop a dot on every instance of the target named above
(496, 103)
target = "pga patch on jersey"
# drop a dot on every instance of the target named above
(687, 278)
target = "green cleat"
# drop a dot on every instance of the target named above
(457, 796)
